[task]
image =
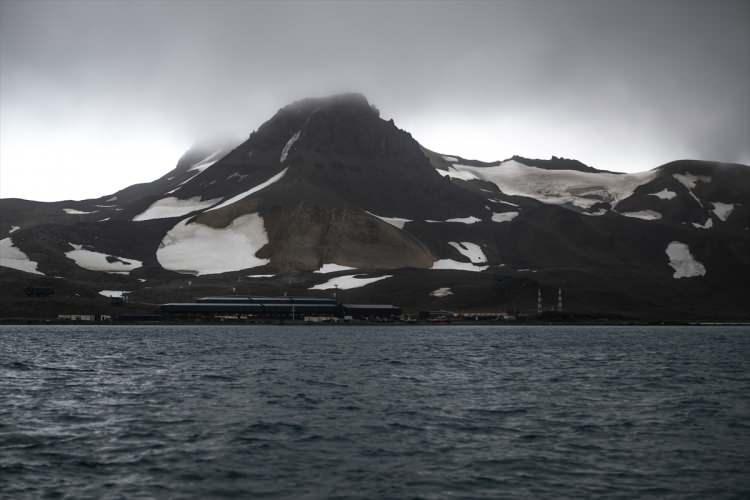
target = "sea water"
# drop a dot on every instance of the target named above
(374, 412)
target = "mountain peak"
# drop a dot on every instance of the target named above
(351, 101)
(296, 117)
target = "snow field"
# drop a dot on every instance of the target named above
(643, 215)
(471, 251)
(194, 248)
(245, 194)
(706, 225)
(113, 294)
(14, 258)
(101, 262)
(683, 262)
(582, 189)
(174, 207)
(504, 216)
(664, 194)
(73, 211)
(288, 146)
(348, 282)
(450, 264)
(465, 220)
(333, 268)
(441, 292)
(397, 222)
(722, 210)
(457, 174)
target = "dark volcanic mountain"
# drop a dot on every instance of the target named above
(327, 195)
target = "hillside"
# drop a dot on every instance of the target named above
(327, 196)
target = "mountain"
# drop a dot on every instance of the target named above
(327, 196)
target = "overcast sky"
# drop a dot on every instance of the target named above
(98, 95)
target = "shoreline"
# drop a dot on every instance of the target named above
(31, 322)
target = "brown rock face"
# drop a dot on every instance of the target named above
(305, 237)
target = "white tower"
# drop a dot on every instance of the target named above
(539, 301)
(559, 300)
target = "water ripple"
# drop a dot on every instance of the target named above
(336, 412)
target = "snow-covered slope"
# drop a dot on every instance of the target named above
(194, 248)
(174, 207)
(13, 258)
(93, 260)
(583, 190)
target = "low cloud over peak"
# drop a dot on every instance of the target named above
(117, 91)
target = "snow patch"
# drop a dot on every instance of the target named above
(333, 268)
(104, 219)
(179, 186)
(597, 213)
(504, 216)
(174, 207)
(471, 251)
(452, 173)
(393, 221)
(114, 198)
(348, 282)
(689, 180)
(245, 194)
(13, 257)
(113, 294)
(444, 264)
(261, 275)
(13, 229)
(722, 210)
(194, 248)
(706, 225)
(664, 194)
(201, 167)
(559, 187)
(495, 200)
(441, 292)
(643, 215)
(683, 262)
(209, 160)
(97, 261)
(465, 220)
(73, 211)
(288, 146)
(450, 159)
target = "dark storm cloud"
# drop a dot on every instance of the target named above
(620, 84)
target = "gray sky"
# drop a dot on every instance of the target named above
(97, 95)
